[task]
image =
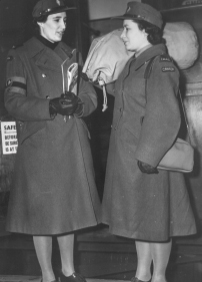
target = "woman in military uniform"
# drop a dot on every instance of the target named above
(53, 191)
(139, 201)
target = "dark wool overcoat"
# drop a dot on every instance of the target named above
(136, 205)
(53, 189)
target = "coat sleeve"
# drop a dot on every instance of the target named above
(19, 103)
(87, 94)
(162, 119)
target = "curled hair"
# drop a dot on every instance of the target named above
(155, 34)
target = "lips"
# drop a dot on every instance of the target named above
(60, 33)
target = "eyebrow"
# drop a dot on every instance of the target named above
(59, 17)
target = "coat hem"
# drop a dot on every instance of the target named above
(55, 233)
(141, 237)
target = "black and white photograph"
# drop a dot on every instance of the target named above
(101, 141)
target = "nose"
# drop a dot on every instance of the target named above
(122, 34)
(63, 25)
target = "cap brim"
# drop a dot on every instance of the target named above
(60, 9)
(70, 8)
(137, 18)
(124, 17)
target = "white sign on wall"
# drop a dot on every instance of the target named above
(9, 137)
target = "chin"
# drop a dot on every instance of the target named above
(130, 49)
(58, 38)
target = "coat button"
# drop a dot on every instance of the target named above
(43, 75)
(20, 124)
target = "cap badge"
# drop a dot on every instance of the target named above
(58, 2)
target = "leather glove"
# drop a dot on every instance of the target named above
(75, 104)
(59, 105)
(146, 168)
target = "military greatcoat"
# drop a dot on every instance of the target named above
(151, 207)
(53, 189)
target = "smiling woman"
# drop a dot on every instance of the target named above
(53, 28)
(46, 198)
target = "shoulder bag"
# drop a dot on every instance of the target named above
(180, 157)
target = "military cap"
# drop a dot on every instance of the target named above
(140, 11)
(48, 7)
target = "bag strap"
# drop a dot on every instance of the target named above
(185, 116)
(147, 75)
(148, 70)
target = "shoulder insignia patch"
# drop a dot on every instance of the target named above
(168, 69)
(165, 58)
(9, 58)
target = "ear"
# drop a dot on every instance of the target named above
(145, 34)
(40, 24)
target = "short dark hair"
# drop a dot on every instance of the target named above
(41, 19)
(155, 34)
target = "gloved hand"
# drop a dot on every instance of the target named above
(67, 104)
(59, 105)
(146, 168)
(76, 106)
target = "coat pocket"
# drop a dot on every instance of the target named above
(28, 129)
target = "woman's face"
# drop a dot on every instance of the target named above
(54, 27)
(133, 38)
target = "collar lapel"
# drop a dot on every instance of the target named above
(47, 58)
(148, 54)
